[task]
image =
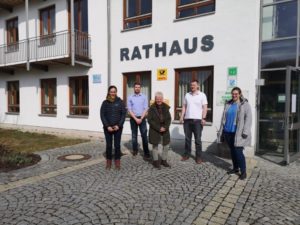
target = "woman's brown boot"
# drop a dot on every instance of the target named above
(118, 164)
(156, 164)
(108, 164)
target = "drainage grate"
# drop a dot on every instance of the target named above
(74, 157)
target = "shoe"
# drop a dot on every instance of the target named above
(117, 164)
(184, 158)
(199, 161)
(233, 171)
(134, 153)
(156, 164)
(165, 163)
(108, 164)
(147, 158)
(243, 176)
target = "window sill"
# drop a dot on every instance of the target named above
(77, 116)
(47, 115)
(12, 113)
(177, 122)
(192, 17)
(136, 28)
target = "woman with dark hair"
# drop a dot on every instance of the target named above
(113, 113)
(236, 130)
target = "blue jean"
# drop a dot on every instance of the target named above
(134, 135)
(111, 137)
(193, 126)
(237, 155)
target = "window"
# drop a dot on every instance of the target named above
(187, 8)
(12, 35)
(47, 26)
(182, 85)
(79, 95)
(13, 96)
(48, 88)
(279, 21)
(137, 13)
(128, 84)
(81, 15)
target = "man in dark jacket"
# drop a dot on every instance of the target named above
(159, 119)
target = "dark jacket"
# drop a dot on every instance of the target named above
(155, 125)
(243, 123)
(113, 113)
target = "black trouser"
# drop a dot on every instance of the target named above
(134, 135)
(109, 137)
(193, 126)
(237, 154)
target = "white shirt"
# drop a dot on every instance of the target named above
(194, 103)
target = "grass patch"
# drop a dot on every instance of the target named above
(28, 142)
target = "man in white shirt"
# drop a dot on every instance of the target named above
(193, 116)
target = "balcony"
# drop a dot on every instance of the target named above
(43, 51)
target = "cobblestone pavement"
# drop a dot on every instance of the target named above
(84, 193)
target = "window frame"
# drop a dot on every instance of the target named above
(80, 106)
(195, 5)
(13, 108)
(210, 96)
(137, 18)
(50, 82)
(137, 79)
(14, 45)
(49, 28)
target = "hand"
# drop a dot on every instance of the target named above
(138, 121)
(116, 128)
(110, 129)
(244, 136)
(203, 121)
(181, 120)
(162, 129)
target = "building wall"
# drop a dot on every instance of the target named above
(234, 26)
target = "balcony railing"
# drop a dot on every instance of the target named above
(46, 48)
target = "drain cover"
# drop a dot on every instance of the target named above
(74, 157)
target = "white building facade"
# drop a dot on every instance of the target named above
(63, 78)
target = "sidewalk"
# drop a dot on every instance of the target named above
(56, 192)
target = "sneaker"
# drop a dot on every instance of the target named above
(108, 164)
(243, 176)
(117, 164)
(184, 158)
(233, 171)
(147, 157)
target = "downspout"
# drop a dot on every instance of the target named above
(72, 34)
(108, 44)
(27, 36)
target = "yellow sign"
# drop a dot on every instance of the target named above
(162, 74)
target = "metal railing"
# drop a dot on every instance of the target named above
(46, 47)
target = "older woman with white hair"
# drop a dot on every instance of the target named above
(159, 119)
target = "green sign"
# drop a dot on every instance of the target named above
(232, 71)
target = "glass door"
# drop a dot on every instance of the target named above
(279, 115)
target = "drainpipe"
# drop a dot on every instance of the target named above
(27, 36)
(72, 34)
(108, 44)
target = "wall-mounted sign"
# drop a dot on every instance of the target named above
(162, 74)
(232, 71)
(96, 78)
(190, 46)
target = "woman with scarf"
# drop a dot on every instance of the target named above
(236, 130)
(113, 113)
(159, 119)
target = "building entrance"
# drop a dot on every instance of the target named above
(279, 115)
